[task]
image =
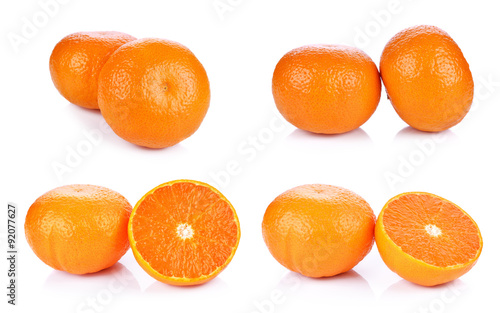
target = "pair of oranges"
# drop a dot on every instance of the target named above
(152, 92)
(186, 232)
(332, 89)
(322, 230)
(155, 93)
(182, 232)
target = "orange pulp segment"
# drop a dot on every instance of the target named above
(184, 232)
(427, 239)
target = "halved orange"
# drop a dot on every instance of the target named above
(184, 232)
(427, 239)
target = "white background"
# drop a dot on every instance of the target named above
(239, 49)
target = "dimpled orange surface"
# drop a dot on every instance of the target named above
(77, 60)
(319, 230)
(326, 89)
(427, 239)
(427, 78)
(153, 92)
(79, 229)
(184, 232)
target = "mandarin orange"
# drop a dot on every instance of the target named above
(427, 78)
(77, 60)
(153, 92)
(426, 239)
(319, 230)
(327, 89)
(79, 229)
(184, 232)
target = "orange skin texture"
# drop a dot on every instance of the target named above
(417, 270)
(77, 60)
(182, 212)
(427, 78)
(326, 89)
(78, 229)
(154, 92)
(319, 230)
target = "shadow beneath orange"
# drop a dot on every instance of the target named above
(412, 294)
(356, 134)
(347, 285)
(216, 285)
(86, 110)
(117, 275)
(410, 133)
(356, 138)
(177, 148)
(83, 115)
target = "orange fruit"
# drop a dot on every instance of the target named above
(153, 92)
(327, 89)
(427, 78)
(184, 232)
(79, 229)
(76, 61)
(319, 230)
(426, 239)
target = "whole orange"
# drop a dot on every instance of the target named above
(319, 230)
(427, 78)
(79, 229)
(76, 61)
(154, 92)
(328, 89)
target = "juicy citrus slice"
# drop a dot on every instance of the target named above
(184, 232)
(426, 239)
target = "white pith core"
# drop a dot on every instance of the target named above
(185, 231)
(433, 230)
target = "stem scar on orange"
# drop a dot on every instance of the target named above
(153, 92)
(426, 239)
(184, 232)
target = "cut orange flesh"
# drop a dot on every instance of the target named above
(184, 232)
(426, 239)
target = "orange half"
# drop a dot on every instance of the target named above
(184, 232)
(427, 239)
